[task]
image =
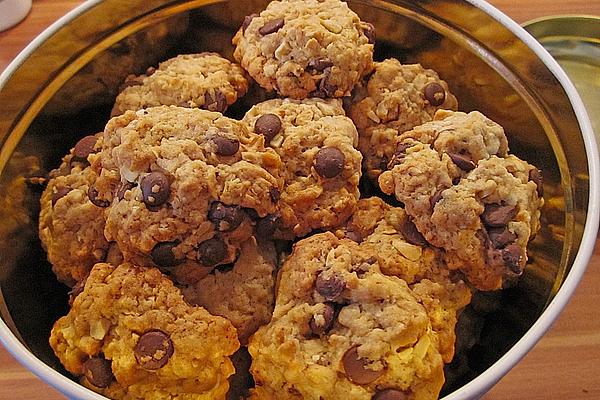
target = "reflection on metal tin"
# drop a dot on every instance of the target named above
(574, 41)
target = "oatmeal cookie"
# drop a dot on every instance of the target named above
(306, 48)
(244, 293)
(72, 215)
(204, 80)
(388, 234)
(130, 335)
(193, 183)
(465, 194)
(393, 100)
(342, 329)
(321, 168)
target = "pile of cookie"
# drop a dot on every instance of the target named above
(172, 226)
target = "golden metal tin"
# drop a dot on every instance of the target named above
(574, 41)
(62, 87)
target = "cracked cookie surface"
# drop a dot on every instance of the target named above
(388, 234)
(342, 329)
(193, 183)
(72, 215)
(394, 99)
(130, 335)
(203, 80)
(466, 195)
(245, 293)
(322, 167)
(306, 48)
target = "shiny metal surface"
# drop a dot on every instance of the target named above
(574, 41)
(64, 88)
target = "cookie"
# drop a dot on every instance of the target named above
(465, 194)
(306, 48)
(130, 335)
(244, 292)
(72, 215)
(204, 80)
(321, 168)
(342, 329)
(193, 186)
(400, 250)
(393, 100)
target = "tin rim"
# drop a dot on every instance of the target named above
(496, 371)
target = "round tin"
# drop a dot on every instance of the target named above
(574, 41)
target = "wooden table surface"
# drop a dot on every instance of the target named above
(565, 364)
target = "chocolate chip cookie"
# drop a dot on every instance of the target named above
(400, 250)
(130, 335)
(306, 48)
(393, 100)
(322, 168)
(193, 186)
(342, 329)
(72, 215)
(466, 195)
(204, 80)
(244, 292)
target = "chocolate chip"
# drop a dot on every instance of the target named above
(93, 196)
(275, 194)
(155, 189)
(329, 287)
(247, 20)
(411, 233)
(326, 89)
(462, 161)
(123, 188)
(252, 214)
(76, 291)
(217, 103)
(501, 237)
(153, 350)
(212, 251)
(325, 320)
(162, 254)
(319, 64)
(535, 175)
(268, 125)
(399, 155)
(59, 194)
(391, 394)
(225, 217)
(84, 148)
(356, 368)
(98, 372)
(266, 227)
(354, 236)
(498, 215)
(271, 26)
(369, 32)
(435, 94)
(226, 146)
(513, 258)
(329, 162)
(437, 196)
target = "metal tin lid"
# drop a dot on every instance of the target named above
(574, 41)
